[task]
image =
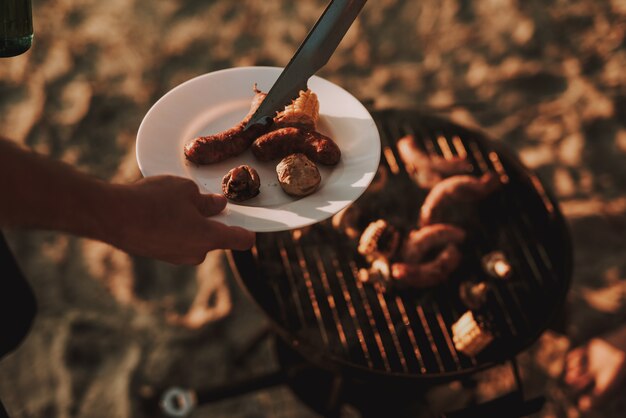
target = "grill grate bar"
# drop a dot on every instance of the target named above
(411, 334)
(458, 145)
(493, 156)
(542, 193)
(370, 315)
(291, 281)
(429, 145)
(446, 336)
(538, 245)
(331, 299)
(281, 305)
(497, 164)
(523, 218)
(527, 255)
(390, 326)
(478, 156)
(255, 254)
(311, 292)
(392, 162)
(275, 288)
(429, 336)
(355, 321)
(444, 147)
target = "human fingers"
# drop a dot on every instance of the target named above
(581, 382)
(594, 397)
(210, 204)
(230, 237)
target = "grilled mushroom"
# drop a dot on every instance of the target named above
(496, 265)
(297, 175)
(241, 183)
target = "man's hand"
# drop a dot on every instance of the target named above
(167, 217)
(162, 217)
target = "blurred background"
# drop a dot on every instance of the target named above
(546, 77)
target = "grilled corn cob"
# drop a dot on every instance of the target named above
(379, 239)
(302, 112)
(469, 336)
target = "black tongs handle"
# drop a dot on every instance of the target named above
(329, 30)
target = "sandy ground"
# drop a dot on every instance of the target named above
(545, 77)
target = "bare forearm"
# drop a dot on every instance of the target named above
(37, 192)
(163, 217)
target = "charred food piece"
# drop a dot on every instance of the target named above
(461, 188)
(379, 273)
(427, 171)
(282, 142)
(303, 112)
(470, 335)
(297, 175)
(241, 183)
(496, 265)
(421, 241)
(474, 294)
(379, 239)
(428, 274)
(220, 146)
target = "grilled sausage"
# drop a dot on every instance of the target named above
(218, 147)
(428, 171)
(461, 188)
(421, 241)
(282, 142)
(429, 274)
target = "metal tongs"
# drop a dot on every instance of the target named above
(312, 55)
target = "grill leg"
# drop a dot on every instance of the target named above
(334, 398)
(252, 345)
(510, 405)
(517, 376)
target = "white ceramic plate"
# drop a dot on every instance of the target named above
(216, 101)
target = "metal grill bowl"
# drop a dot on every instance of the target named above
(305, 280)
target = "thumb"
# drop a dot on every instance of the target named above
(210, 204)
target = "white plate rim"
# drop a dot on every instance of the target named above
(300, 212)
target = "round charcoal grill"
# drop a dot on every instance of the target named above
(342, 341)
(305, 280)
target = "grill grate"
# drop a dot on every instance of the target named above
(305, 280)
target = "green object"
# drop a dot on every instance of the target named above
(16, 27)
